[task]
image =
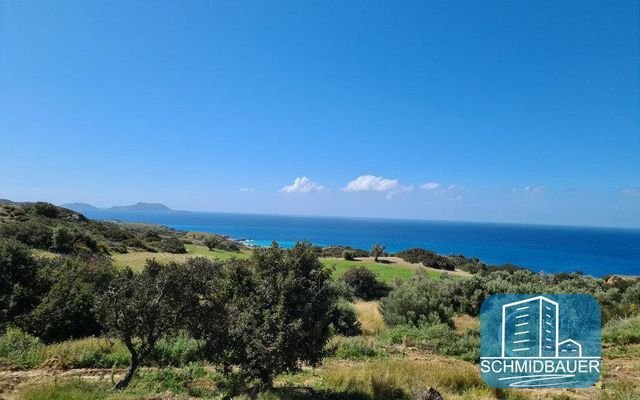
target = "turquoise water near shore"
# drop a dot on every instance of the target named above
(594, 251)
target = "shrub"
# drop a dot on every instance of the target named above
(19, 292)
(435, 338)
(364, 284)
(20, 350)
(280, 312)
(622, 332)
(348, 255)
(68, 308)
(176, 351)
(344, 319)
(427, 258)
(62, 239)
(354, 348)
(46, 209)
(172, 245)
(32, 233)
(417, 302)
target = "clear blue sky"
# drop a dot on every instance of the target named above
(505, 111)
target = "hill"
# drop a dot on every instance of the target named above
(138, 207)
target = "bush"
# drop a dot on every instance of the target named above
(348, 255)
(417, 302)
(437, 338)
(46, 209)
(354, 348)
(172, 245)
(20, 350)
(622, 332)
(364, 284)
(176, 351)
(32, 233)
(68, 308)
(427, 258)
(344, 319)
(19, 292)
(280, 313)
(62, 240)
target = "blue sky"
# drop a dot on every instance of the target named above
(483, 111)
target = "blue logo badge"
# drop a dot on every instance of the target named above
(537, 341)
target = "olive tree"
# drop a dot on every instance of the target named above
(140, 309)
(377, 250)
(280, 313)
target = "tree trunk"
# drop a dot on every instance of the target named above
(124, 382)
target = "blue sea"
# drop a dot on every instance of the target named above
(593, 251)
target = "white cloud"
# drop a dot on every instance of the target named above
(430, 186)
(630, 191)
(247, 189)
(302, 185)
(529, 189)
(371, 183)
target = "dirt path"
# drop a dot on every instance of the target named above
(12, 381)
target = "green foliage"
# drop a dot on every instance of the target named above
(140, 309)
(417, 302)
(20, 350)
(88, 353)
(365, 284)
(344, 319)
(280, 312)
(62, 239)
(46, 209)
(172, 245)
(622, 332)
(67, 308)
(427, 258)
(74, 389)
(348, 255)
(377, 250)
(438, 338)
(31, 233)
(354, 348)
(18, 284)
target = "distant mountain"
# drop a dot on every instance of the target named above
(155, 207)
(146, 207)
(80, 207)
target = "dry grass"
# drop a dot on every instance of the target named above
(465, 322)
(381, 378)
(369, 316)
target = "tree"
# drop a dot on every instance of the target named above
(348, 255)
(418, 301)
(212, 242)
(377, 250)
(67, 308)
(140, 309)
(62, 239)
(280, 315)
(19, 292)
(365, 284)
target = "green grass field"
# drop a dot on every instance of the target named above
(385, 272)
(137, 259)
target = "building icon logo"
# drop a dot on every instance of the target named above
(540, 341)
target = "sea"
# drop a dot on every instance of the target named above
(550, 249)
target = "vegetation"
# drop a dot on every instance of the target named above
(364, 284)
(377, 250)
(426, 258)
